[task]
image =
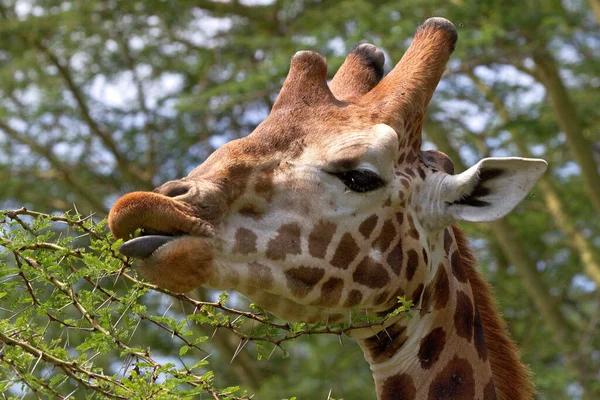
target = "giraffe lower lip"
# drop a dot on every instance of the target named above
(143, 246)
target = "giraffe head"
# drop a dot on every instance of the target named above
(329, 204)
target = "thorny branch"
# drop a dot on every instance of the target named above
(218, 314)
(87, 377)
(31, 382)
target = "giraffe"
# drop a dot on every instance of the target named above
(330, 205)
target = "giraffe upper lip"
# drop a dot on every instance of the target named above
(157, 215)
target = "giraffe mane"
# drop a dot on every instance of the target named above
(511, 378)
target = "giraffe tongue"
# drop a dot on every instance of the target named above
(143, 246)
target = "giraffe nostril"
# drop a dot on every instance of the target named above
(174, 189)
(177, 191)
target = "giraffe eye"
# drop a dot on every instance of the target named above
(360, 181)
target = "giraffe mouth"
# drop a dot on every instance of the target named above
(160, 218)
(145, 245)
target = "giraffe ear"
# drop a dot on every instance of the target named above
(490, 189)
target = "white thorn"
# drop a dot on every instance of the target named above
(272, 351)
(243, 343)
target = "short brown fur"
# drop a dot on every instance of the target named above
(511, 378)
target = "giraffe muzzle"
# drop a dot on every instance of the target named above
(175, 247)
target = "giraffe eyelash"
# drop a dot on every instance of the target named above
(360, 181)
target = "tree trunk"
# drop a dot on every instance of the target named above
(589, 258)
(567, 119)
(595, 7)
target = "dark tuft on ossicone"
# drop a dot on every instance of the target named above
(443, 24)
(373, 57)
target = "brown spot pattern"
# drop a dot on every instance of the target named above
(354, 298)
(394, 259)
(416, 294)
(431, 347)
(447, 240)
(455, 381)
(366, 227)
(320, 238)
(399, 387)
(489, 392)
(264, 184)
(371, 274)
(436, 292)
(463, 316)
(302, 279)
(384, 345)
(245, 241)
(411, 264)
(386, 236)
(479, 337)
(412, 231)
(400, 218)
(442, 288)
(394, 301)
(262, 274)
(345, 253)
(457, 268)
(240, 174)
(331, 292)
(249, 210)
(426, 299)
(286, 242)
(381, 298)
(401, 158)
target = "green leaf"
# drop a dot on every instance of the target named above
(183, 350)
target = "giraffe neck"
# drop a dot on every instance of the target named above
(441, 351)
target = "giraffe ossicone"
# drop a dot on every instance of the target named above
(330, 205)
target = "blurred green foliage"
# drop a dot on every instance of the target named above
(99, 98)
